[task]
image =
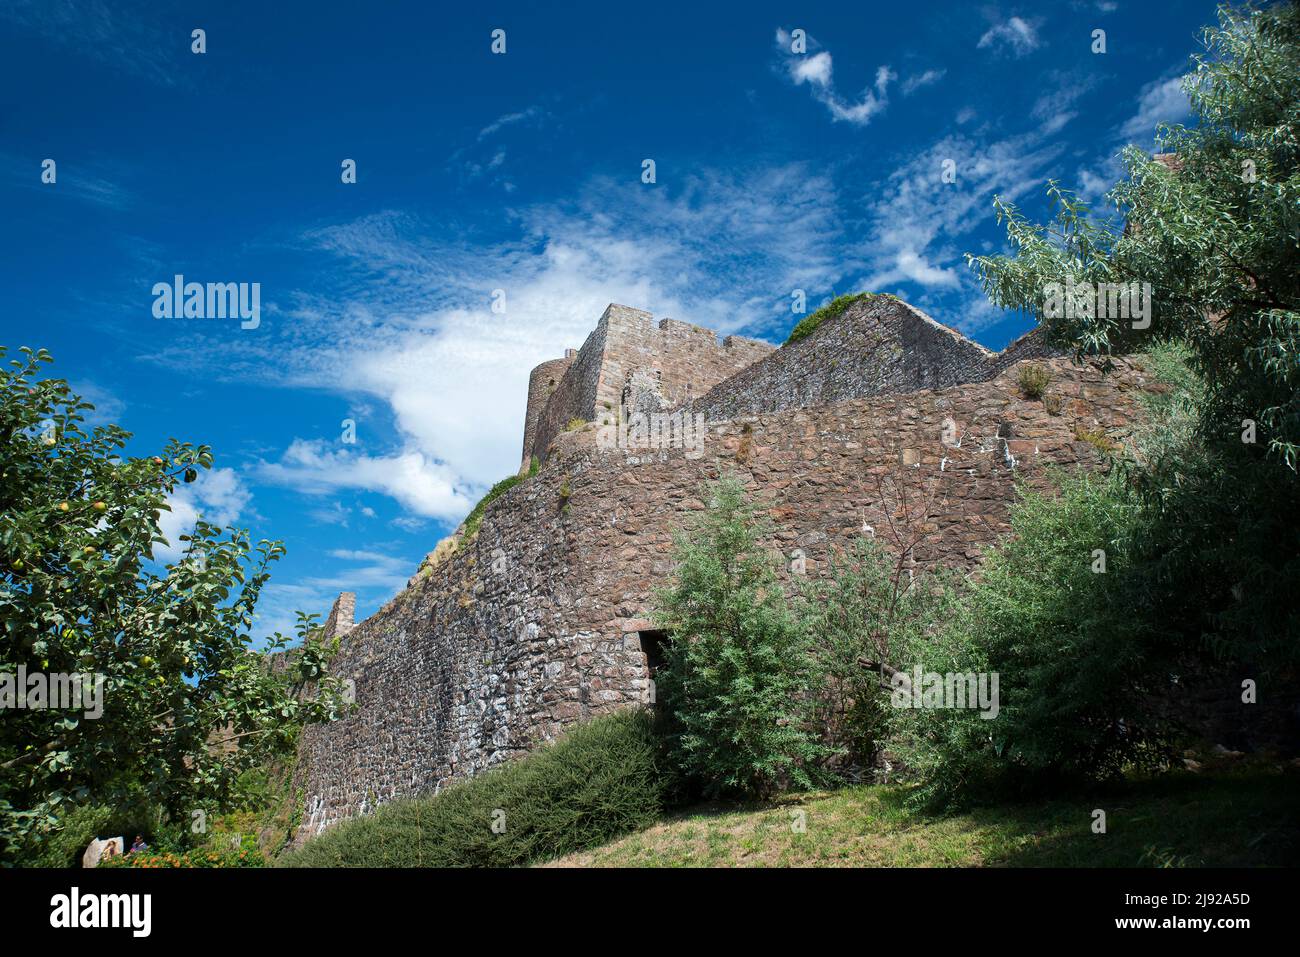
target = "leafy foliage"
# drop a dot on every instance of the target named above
(736, 686)
(867, 610)
(81, 594)
(601, 780)
(1076, 654)
(1213, 226)
(1215, 231)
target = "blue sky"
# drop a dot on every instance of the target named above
(521, 172)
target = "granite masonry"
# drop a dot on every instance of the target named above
(543, 618)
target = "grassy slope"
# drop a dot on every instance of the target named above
(1234, 817)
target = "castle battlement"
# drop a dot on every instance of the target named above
(629, 359)
(632, 363)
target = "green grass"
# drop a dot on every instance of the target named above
(475, 517)
(1241, 817)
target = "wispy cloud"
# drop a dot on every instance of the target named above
(405, 314)
(1062, 90)
(508, 119)
(108, 408)
(74, 179)
(815, 67)
(1161, 101)
(919, 80)
(373, 575)
(1016, 36)
(122, 35)
(921, 222)
(367, 570)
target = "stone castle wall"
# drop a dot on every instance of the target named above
(670, 361)
(878, 346)
(537, 622)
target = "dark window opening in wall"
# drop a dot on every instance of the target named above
(654, 644)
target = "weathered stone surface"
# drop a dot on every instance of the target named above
(535, 623)
(878, 346)
(628, 359)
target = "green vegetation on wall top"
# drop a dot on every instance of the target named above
(831, 310)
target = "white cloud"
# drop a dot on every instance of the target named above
(1062, 89)
(815, 69)
(1162, 101)
(108, 408)
(373, 575)
(1016, 35)
(418, 482)
(336, 513)
(218, 496)
(129, 40)
(279, 603)
(1094, 183)
(920, 221)
(96, 185)
(918, 80)
(509, 119)
(910, 265)
(367, 570)
(405, 318)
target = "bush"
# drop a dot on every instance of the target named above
(63, 845)
(1075, 654)
(61, 842)
(867, 609)
(196, 858)
(599, 781)
(735, 690)
(1032, 380)
(832, 310)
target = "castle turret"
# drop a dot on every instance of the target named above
(542, 383)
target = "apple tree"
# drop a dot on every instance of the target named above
(189, 702)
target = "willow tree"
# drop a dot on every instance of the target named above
(1211, 225)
